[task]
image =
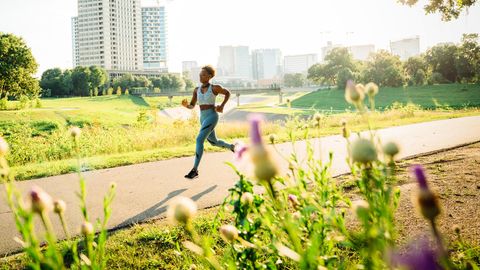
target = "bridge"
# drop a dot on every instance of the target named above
(145, 92)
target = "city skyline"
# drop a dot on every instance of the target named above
(302, 28)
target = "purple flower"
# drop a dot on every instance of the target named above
(419, 255)
(419, 173)
(240, 150)
(255, 136)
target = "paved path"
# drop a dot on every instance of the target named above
(144, 190)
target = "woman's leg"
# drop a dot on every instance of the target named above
(207, 126)
(212, 139)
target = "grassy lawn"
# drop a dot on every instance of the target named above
(428, 97)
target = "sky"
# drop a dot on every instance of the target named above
(197, 28)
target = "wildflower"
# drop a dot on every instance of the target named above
(391, 149)
(182, 210)
(240, 150)
(59, 206)
(287, 252)
(229, 233)
(318, 117)
(354, 94)
(41, 201)
(3, 147)
(272, 138)
(86, 228)
(75, 132)
(264, 168)
(419, 255)
(296, 215)
(427, 200)
(247, 198)
(371, 89)
(293, 199)
(363, 151)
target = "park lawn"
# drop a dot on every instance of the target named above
(428, 97)
(184, 146)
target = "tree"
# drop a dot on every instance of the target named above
(17, 67)
(52, 79)
(177, 83)
(343, 76)
(448, 8)
(468, 59)
(336, 60)
(189, 84)
(97, 77)
(80, 81)
(125, 81)
(441, 59)
(294, 80)
(67, 84)
(414, 69)
(384, 69)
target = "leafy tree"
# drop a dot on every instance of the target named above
(80, 81)
(468, 60)
(343, 76)
(441, 59)
(384, 69)
(52, 79)
(189, 84)
(124, 82)
(17, 66)
(177, 83)
(415, 68)
(449, 9)
(294, 80)
(97, 78)
(336, 60)
(67, 84)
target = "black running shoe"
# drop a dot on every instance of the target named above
(192, 174)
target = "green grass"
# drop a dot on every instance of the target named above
(428, 97)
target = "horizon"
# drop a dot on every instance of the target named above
(289, 28)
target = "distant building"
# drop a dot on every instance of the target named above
(154, 30)
(361, 52)
(234, 61)
(266, 64)
(406, 48)
(299, 63)
(75, 50)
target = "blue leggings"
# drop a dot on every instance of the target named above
(208, 120)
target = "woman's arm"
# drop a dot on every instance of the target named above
(192, 102)
(218, 89)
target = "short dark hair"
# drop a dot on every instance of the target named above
(209, 69)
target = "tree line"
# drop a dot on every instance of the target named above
(443, 63)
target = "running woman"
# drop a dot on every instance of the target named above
(205, 94)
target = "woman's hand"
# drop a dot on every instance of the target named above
(219, 108)
(185, 103)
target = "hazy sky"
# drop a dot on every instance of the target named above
(197, 28)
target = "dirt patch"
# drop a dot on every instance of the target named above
(454, 175)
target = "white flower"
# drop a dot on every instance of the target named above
(41, 201)
(229, 233)
(59, 206)
(182, 210)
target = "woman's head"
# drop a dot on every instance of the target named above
(207, 73)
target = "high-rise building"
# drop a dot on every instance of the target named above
(266, 64)
(154, 31)
(191, 67)
(361, 52)
(75, 52)
(108, 33)
(299, 63)
(406, 48)
(234, 61)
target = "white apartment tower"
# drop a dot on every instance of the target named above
(108, 33)
(75, 53)
(154, 31)
(234, 61)
(266, 64)
(406, 48)
(299, 63)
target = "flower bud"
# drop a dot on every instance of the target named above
(354, 94)
(419, 174)
(255, 134)
(3, 147)
(86, 228)
(59, 206)
(182, 210)
(391, 149)
(264, 168)
(371, 89)
(229, 233)
(296, 215)
(75, 131)
(428, 203)
(363, 151)
(293, 200)
(456, 229)
(318, 117)
(360, 207)
(247, 198)
(272, 138)
(41, 201)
